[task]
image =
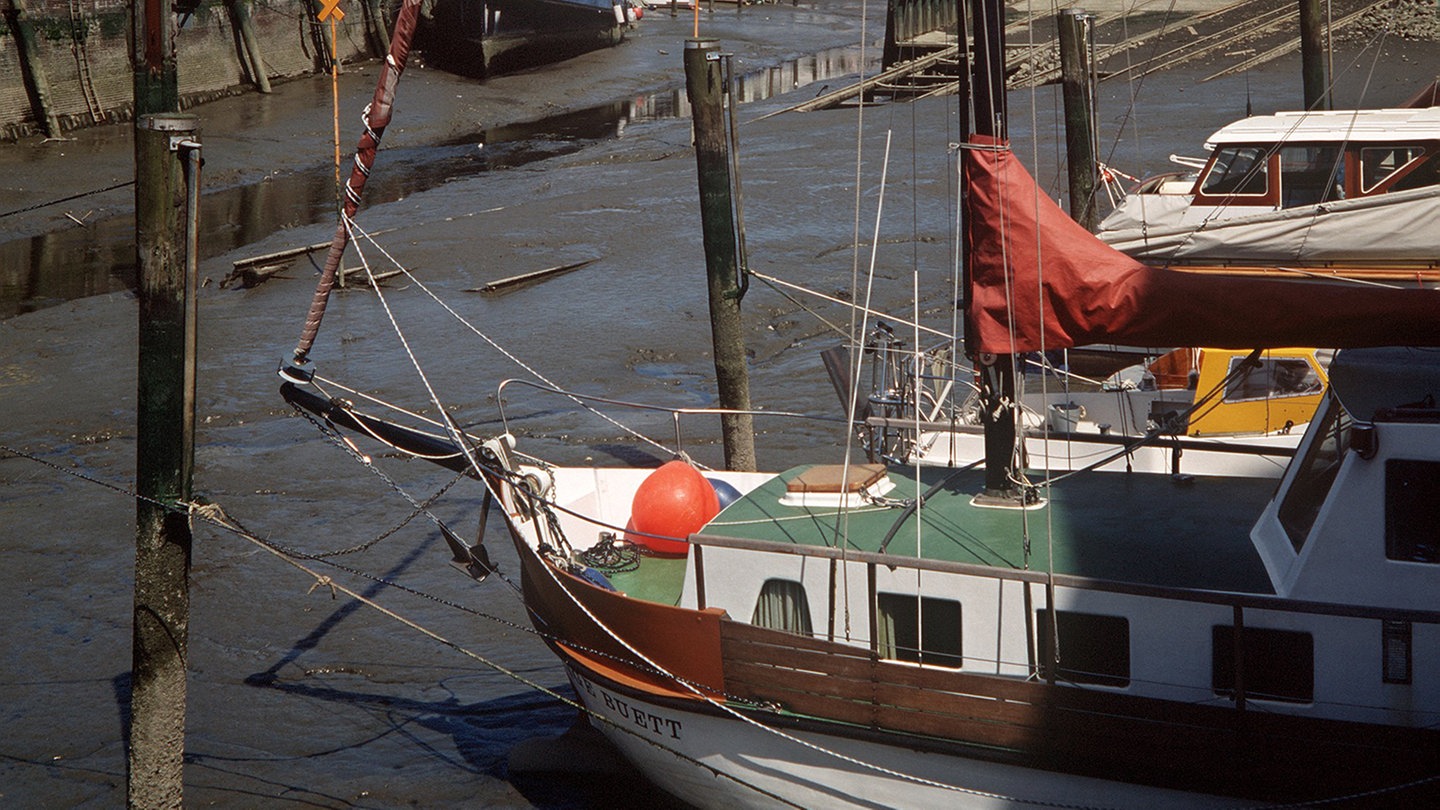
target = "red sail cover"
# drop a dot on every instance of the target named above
(1041, 281)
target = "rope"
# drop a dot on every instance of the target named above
(38, 206)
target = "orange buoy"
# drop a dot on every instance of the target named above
(673, 502)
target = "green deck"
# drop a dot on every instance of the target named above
(1116, 526)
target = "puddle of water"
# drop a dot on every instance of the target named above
(52, 268)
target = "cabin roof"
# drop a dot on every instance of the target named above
(1126, 527)
(1385, 125)
(1367, 380)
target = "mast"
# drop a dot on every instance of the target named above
(996, 371)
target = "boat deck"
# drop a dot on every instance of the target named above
(1126, 527)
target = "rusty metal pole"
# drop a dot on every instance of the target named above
(705, 87)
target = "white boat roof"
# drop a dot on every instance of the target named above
(1391, 126)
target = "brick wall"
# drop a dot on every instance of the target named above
(83, 52)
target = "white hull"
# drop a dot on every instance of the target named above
(814, 770)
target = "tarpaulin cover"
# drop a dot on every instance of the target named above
(1041, 281)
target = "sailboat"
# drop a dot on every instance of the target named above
(873, 635)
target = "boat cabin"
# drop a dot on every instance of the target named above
(1218, 392)
(1357, 516)
(1290, 159)
(1355, 187)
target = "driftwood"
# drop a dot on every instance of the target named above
(255, 270)
(251, 276)
(505, 284)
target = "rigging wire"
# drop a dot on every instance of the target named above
(495, 345)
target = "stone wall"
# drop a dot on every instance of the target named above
(81, 50)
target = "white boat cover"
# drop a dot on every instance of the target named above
(1395, 227)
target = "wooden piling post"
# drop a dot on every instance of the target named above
(244, 25)
(326, 60)
(705, 88)
(165, 423)
(1312, 56)
(32, 70)
(164, 418)
(1076, 35)
(379, 33)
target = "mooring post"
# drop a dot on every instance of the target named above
(1076, 35)
(32, 69)
(166, 157)
(705, 87)
(1312, 56)
(165, 148)
(245, 26)
(379, 32)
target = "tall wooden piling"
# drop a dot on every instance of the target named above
(245, 26)
(152, 54)
(165, 425)
(32, 69)
(1077, 81)
(165, 406)
(704, 86)
(378, 33)
(1312, 56)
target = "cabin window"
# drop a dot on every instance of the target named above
(1310, 174)
(1237, 170)
(1412, 510)
(1426, 173)
(924, 630)
(1275, 664)
(1380, 163)
(1315, 474)
(783, 606)
(1093, 648)
(1271, 377)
